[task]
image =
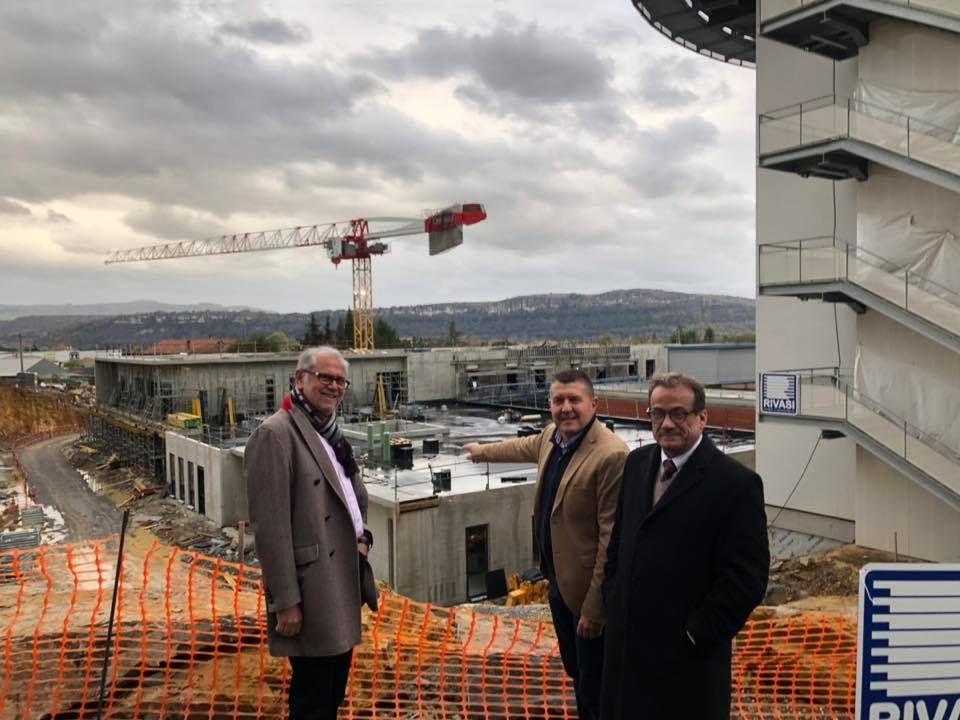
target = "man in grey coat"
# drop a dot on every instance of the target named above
(307, 504)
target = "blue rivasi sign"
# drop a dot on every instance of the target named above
(908, 649)
(779, 393)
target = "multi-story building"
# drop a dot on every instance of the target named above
(858, 175)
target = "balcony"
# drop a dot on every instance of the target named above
(839, 28)
(830, 269)
(836, 138)
(829, 399)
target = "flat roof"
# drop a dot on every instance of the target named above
(236, 358)
(712, 346)
(724, 34)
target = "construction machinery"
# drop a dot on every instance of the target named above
(352, 240)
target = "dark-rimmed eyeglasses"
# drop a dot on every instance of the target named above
(326, 379)
(676, 415)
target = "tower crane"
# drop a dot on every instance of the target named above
(352, 240)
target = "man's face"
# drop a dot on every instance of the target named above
(323, 396)
(675, 438)
(572, 406)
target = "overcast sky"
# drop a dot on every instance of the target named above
(606, 156)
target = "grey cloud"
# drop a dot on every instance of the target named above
(9, 207)
(172, 223)
(524, 71)
(526, 63)
(272, 31)
(56, 217)
(666, 83)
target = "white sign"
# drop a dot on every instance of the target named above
(779, 393)
(908, 644)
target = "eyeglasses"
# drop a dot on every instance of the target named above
(328, 379)
(677, 415)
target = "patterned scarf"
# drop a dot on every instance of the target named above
(330, 430)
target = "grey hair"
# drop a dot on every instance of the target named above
(308, 357)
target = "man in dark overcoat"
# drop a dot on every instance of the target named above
(307, 503)
(686, 565)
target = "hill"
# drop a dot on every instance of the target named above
(621, 314)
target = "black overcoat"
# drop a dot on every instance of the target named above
(695, 564)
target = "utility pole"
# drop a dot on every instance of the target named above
(20, 345)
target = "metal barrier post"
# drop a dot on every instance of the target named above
(113, 610)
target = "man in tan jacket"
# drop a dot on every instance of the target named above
(580, 465)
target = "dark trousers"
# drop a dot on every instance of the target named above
(317, 686)
(582, 659)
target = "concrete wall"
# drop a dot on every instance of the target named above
(224, 489)
(432, 375)
(640, 354)
(888, 503)
(431, 547)
(379, 520)
(714, 365)
(911, 56)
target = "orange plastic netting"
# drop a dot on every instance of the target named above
(189, 642)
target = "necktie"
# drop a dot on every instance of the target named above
(669, 470)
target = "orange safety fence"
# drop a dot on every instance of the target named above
(189, 641)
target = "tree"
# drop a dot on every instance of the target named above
(258, 342)
(348, 330)
(606, 339)
(384, 336)
(327, 332)
(708, 335)
(682, 336)
(453, 336)
(312, 336)
(337, 339)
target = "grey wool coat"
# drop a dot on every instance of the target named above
(305, 539)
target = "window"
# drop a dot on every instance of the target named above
(201, 492)
(271, 393)
(181, 478)
(651, 368)
(172, 475)
(190, 489)
(478, 561)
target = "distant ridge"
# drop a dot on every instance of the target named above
(11, 312)
(619, 314)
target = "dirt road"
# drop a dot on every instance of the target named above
(55, 482)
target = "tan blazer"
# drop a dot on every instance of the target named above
(583, 512)
(305, 539)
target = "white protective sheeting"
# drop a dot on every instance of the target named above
(923, 399)
(933, 255)
(935, 111)
(922, 125)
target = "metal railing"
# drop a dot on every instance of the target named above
(770, 9)
(831, 117)
(830, 393)
(830, 259)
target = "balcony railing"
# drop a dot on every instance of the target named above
(828, 393)
(830, 259)
(832, 117)
(770, 9)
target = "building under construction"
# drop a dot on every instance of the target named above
(221, 398)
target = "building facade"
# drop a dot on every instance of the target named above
(858, 175)
(857, 223)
